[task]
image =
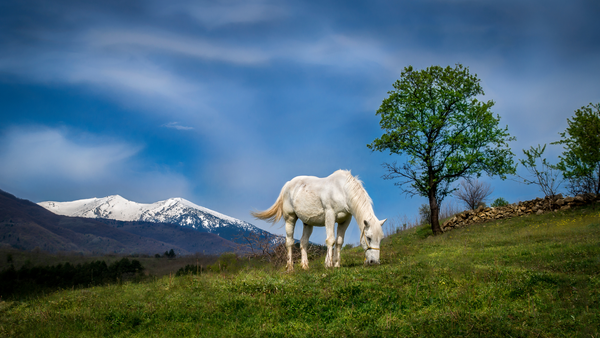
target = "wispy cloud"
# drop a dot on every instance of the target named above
(216, 14)
(130, 40)
(176, 125)
(45, 152)
(48, 163)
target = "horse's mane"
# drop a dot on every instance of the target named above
(360, 202)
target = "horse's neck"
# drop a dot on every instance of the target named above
(361, 210)
(362, 217)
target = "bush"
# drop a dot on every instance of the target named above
(170, 254)
(499, 202)
(425, 214)
(228, 261)
(193, 269)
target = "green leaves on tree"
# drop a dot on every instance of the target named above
(434, 118)
(580, 161)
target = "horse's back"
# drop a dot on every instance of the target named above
(310, 197)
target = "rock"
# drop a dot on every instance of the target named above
(537, 206)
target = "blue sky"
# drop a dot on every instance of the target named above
(222, 102)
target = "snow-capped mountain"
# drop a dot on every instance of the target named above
(174, 210)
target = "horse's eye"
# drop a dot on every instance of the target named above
(369, 239)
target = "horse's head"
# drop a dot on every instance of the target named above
(370, 238)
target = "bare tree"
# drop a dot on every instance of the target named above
(259, 244)
(545, 175)
(473, 192)
(271, 248)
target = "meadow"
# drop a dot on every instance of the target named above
(532, 276)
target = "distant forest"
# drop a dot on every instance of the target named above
(37, 279)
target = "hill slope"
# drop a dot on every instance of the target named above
(533, 276)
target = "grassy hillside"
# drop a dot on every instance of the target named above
(535, 276)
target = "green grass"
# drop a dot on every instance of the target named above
(534, 276)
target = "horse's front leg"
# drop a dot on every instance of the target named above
(330, 240)
(290, 223)
(306, 232)
(341, 232)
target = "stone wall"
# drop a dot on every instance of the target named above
(536, 206)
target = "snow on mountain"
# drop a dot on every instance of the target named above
(174, 210)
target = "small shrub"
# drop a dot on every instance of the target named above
(499, 202)
(193, 269)
(170, 254)
(215, 267)
(228, 261)
(424, 232)
(425, 214)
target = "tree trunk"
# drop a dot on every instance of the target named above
(435, 212)
(598, 182)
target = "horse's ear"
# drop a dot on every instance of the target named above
(382, 222)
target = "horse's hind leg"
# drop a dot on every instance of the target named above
(290, 224)
(306, 232)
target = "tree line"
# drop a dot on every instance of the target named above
(33, 279)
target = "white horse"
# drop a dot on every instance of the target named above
(324, 202)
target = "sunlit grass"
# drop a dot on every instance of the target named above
(525, 277)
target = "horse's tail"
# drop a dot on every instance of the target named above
(275, 212)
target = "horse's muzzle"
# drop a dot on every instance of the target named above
(371, 262)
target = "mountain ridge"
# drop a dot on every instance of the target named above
(172, 211)
(26, 225)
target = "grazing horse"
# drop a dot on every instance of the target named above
(324, 202)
